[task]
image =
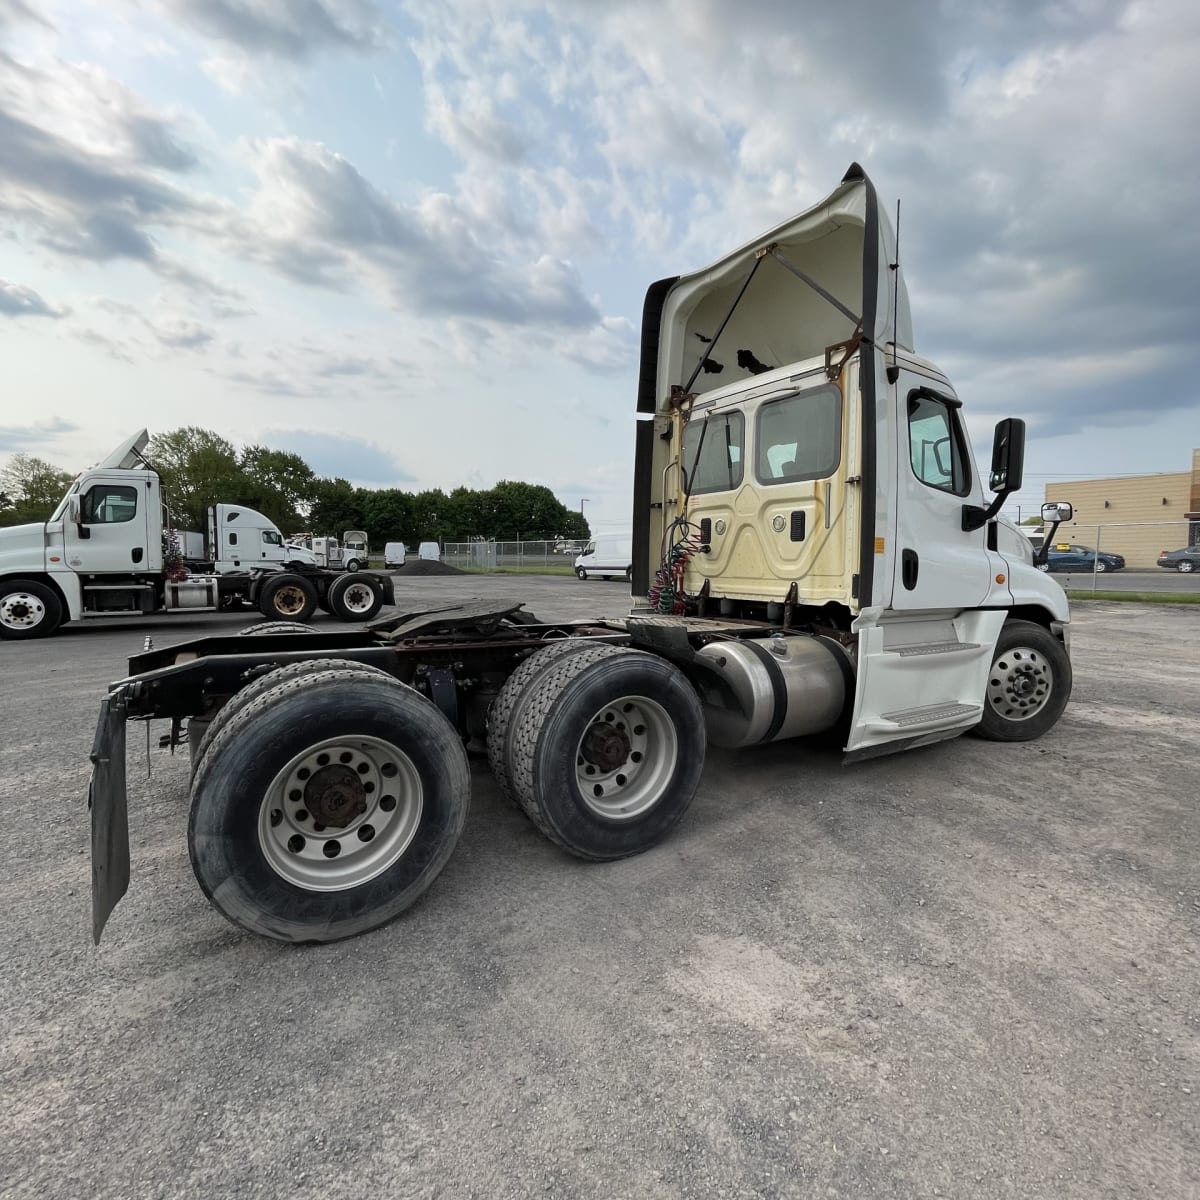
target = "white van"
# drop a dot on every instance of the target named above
(609, 554)
(430, 550)
(393, 554)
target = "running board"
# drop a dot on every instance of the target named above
(932, 714)
(932, 648)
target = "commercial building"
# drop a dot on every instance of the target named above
(1134, 515)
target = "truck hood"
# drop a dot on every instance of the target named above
(22, 548)
(845, 244)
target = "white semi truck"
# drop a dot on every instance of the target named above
(814, 552)
(108, 550)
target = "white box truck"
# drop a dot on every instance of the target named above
(815, 550)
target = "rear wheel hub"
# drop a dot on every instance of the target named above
(334, 795)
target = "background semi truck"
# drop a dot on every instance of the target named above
(814, 552)
(109, 550)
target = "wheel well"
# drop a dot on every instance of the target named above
(47, 581)
(1031, 612)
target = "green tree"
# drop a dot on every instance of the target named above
(388, 516)
(31, 489)
(197, 468)
(279, 484)
(430, 511)
(527, 512)
(336, 507)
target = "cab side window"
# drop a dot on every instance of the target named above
(107, 504)
(937, 447)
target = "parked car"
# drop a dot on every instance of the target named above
(430, 551)
(1064, 556)
(1185, 560)
(393, 554)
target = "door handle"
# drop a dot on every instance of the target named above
(909, 565)
(136, 554)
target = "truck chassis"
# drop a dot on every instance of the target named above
(330, 778)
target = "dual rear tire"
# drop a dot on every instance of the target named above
(326, 804)
(292, 597)
(600, 746)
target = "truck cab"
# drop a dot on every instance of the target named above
(106, 548)
(802, 464)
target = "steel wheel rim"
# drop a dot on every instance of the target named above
(1021, 683)
(329, 857)
(289, 600)
(625, 759)
(20, 611)
(358, 598)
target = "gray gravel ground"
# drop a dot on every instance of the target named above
(970, 970)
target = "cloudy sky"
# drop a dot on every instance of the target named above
(410, 238)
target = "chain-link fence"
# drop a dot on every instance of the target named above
(1096, 551)
(494, 556)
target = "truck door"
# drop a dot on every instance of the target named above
(113, 530)
(938, 564)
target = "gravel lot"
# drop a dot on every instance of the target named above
(970, 970)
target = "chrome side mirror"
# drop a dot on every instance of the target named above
(1056, 512)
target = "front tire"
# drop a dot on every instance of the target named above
(1028, 686)
(328, 808)
(606, 752)
(28, 609)
(1101, 566)
(581, 572)
(354, 565)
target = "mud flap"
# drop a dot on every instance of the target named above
(110, 813)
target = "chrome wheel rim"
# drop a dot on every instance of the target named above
(358, 598)
(340, 813)
(626, 758)
(1020, 684)
(21, 611)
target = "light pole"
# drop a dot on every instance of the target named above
(583, 500)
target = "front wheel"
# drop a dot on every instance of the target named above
(1043, 566)
(28, 609)
(1028, 686)
(1101, 567)
(354, 565)
(581, 572)
(327, 808)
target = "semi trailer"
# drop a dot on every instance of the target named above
(814, 552)
(109, 550)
